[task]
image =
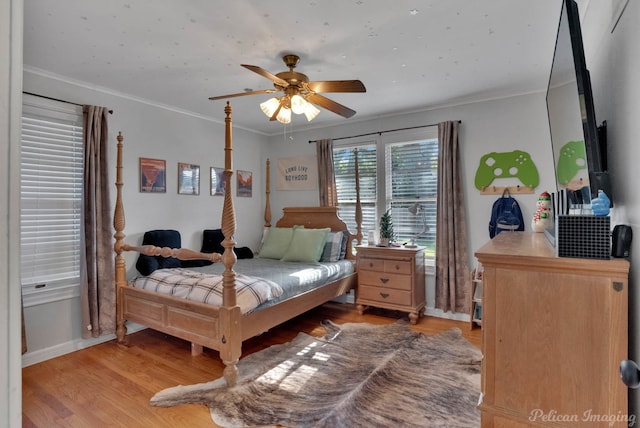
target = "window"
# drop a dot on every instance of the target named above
(407, 185)
(51, 180)
(411, 171)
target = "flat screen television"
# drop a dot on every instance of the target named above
(579, 153)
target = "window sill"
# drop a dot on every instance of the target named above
(41, 297)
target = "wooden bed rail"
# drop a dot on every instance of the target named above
(178, 253)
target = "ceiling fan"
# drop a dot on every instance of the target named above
(299, 93)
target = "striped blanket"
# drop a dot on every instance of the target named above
(207, 288)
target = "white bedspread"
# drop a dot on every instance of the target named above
(207, 288)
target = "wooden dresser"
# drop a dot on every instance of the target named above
(554, 331)
(391, 278)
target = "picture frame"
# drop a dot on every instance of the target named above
(244, 184)
(218, 181)
(153, 175)
(188, 179)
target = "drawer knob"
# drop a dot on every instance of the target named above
(384, 295)
(370, 264)
(397, 267)
(384, 280)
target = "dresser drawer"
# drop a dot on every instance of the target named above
(384, 279)
(384, 295)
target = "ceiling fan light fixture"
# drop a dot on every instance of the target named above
(311, 111)
(270, 106)
(298, 104)
(284, 115)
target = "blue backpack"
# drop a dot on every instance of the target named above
(505, 215)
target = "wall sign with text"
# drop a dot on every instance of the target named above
(298, 173)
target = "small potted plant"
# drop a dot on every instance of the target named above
(386, 229)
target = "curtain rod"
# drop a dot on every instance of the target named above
(57, 99)
(380, 132)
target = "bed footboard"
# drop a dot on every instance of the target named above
(192, 321)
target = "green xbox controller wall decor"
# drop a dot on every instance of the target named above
(516, 164)
(571, 160)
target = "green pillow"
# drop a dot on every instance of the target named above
(276, 243)
(306, 245)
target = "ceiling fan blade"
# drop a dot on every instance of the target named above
(264, 73)
(263, 91)
(337, 86)
(330, 105)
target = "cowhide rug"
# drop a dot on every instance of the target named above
(358, 375)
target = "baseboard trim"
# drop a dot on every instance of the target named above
(439, 313)
(35, 357)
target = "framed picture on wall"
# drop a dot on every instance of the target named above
(153, 175)
(218, 181)
(245, 185)
(188, 179)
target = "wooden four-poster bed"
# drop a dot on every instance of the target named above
(225, 327)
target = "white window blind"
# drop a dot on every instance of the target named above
(51, 179)
(344, 167)
(411, 170)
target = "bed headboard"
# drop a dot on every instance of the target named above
(316, 218)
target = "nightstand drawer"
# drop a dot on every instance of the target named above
(371, 264)
(384, 295)
(381, 265)
(384, 279)
(395, 266)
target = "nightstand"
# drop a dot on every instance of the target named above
(391, 278)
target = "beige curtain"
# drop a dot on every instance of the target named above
(97, 267)
(452, 265)
(326, 176)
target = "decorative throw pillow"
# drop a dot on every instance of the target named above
(276, 243)
(159, 238)
(332, 247)
(343, 246)
(306, 245)
(212, 241)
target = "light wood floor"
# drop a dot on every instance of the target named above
(110, 385)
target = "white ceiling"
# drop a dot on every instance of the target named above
(410, 54)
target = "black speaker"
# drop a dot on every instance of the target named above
(621, 241)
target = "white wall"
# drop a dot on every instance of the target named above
(613, 61)
(151, 131)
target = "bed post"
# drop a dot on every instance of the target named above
(230, 328)
(358, 205)
(267, 205)
(118, 225)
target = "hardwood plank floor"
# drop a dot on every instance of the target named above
(110, 385)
